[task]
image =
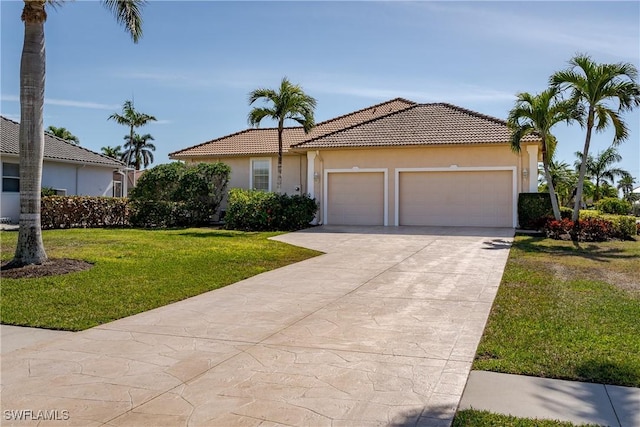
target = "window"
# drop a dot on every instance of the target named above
(10, 177)
(117, 189)
(261, 174)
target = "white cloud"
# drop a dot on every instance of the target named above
(66, 103)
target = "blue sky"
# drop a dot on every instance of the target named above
(197, 61)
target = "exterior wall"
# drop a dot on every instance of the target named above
(420, 157)
(76, 179)
(294, 169)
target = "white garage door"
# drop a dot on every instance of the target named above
(355, 198)
(460, 198)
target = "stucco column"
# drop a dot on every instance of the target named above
(311, 182)
(311, 164)
(533, 168)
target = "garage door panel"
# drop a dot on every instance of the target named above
(355, 198)
(461, 198)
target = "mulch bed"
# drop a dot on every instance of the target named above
(53, 267)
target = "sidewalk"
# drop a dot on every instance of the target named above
(543, 398)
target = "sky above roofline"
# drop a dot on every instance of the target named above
(197, 61)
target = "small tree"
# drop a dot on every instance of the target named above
(63, 133)
(537, 114)
(289, 103)
(138, 152)
(626, 186)
(595, 86)
(133, 119)
(113, 152)
(600, 169)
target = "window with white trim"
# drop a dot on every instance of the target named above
(10, 177)
(260, 174)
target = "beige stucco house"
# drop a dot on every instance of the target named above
(394, 163)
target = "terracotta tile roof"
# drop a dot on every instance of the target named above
(422, 124)
(54, 148)
(265, 140)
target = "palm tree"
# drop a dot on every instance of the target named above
(600, 170)
(564, 180)
(536, 115)
(139, 152)
(289, 103)
(131, 118)
(595, 87)
(113, 152)
(30, 249)
(64, 134)
(626, 186)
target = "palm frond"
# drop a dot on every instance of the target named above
(128, 13)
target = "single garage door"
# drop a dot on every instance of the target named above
(460, 198)
(355, 198)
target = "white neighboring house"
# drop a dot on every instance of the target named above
(69, 169)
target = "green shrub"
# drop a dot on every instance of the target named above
(588, 213)
(47, 191)
(613, 205)
(533, 210)
(635, 210)
(623, 226)
(252, 210)
(566, 213)
(176, 194)
(156, 214)
(83, 212)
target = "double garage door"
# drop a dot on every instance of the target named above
(479, 198)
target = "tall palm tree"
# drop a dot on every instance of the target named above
(599, 168)
(139, 151)
(626, 186)
(596, 87)
(64, 134)
(131, 117)
(537, 114)
(30, 249)
(113, 152)
(290, 102)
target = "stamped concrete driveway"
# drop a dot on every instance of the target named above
(381, 330)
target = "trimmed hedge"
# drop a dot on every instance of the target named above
(83, 212)
(533, 210)
(252, 210)
(613, 205)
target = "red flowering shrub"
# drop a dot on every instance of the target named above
(555, 229)
(587, 230)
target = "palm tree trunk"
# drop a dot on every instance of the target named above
(279, 180)
(552, 191)
(30, 249)
(583, 167)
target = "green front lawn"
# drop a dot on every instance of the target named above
(134, 271)
(474, 418)
(565, 311)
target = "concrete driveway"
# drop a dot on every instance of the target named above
(379, 331)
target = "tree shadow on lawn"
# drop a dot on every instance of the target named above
(219, 233)
(495, 244)
(609, 373)
(590, 251)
